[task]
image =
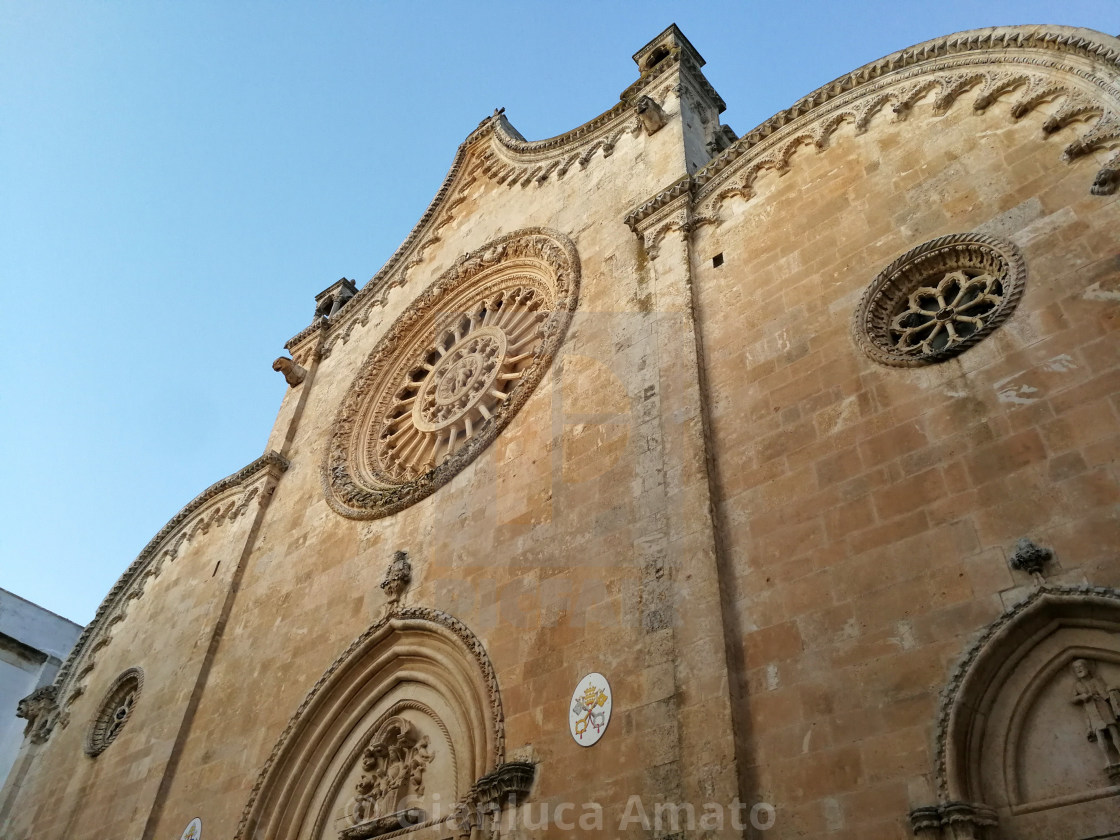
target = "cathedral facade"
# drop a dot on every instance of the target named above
(665, 482)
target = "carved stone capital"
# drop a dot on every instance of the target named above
(953, 821)
(509, 783)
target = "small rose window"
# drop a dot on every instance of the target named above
(115, 711)
(939, 299)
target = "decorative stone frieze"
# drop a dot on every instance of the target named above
(939, 299)
(1032, 66)
(1036, 64)
(114, 711)
(451, 373)
(222, 502)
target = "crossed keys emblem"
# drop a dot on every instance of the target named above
(589, 708)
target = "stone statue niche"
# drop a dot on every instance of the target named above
(392, 781)
(1101, 706)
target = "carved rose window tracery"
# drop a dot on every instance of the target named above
(451, 373)
(115, 711)
(939, 299)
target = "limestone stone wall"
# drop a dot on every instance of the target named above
(164, 630)
(869, 512)
(551, 546)
(790, 560)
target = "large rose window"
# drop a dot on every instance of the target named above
(451, 373)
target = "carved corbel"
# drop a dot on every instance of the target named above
(953, 821)
(1108, 178)
(397, 578)
(503, 788)
(38, 708)
(722, 139)
(651, 114)
(293, 374)
(1030, 558)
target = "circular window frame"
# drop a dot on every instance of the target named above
(540, 260)
(100, 736)
(927, 265)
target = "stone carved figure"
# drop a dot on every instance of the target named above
(397, 578)
(418, 763)
(1101, 705)
(393, 767)
(293, 374)
(36, 709)
(651, 114)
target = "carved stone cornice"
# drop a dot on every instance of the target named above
(308, 342)
(221, 502)
(637, 219)
(671, 209)
(1023, 61)
(509, 160)
(497, 151)
(510, 782)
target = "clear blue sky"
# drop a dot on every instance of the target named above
(179, 179)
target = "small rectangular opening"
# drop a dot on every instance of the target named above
(717, 260)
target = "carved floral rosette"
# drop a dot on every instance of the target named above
(939, 299)
(451, 373)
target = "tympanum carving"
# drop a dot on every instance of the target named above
(1100, 703)
(393, 767)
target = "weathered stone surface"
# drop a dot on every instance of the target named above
(780, 552)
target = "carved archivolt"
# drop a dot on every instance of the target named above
(220, 503)
(939, 299)
(1028, 729)
(451, 373)
(398, 729)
